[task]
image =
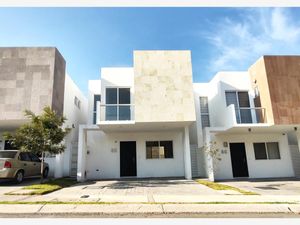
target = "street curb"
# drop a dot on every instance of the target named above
(148, 210)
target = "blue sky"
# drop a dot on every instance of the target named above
(91, 38)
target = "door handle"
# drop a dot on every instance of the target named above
(25, 164)
(34, 164)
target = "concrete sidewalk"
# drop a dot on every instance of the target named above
(148, 210)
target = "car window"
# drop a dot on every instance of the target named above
(8, 154)
(24, 156)
(34, 158)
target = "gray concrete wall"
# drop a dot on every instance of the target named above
(30, 78)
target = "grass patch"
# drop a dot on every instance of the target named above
(128, 203)
(49, 186)
(217, 186)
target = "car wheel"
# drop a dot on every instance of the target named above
(19, 177)
(45, 173)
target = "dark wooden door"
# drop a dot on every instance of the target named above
(238, 160)
(127, 158)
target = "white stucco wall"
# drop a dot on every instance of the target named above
(94, 88)
(75, 116)
(257, 168)
(102, 163)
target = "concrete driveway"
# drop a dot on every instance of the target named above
(148, 190)
(287, 186)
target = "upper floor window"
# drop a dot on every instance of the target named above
(97, 98)
(240, 100)
(204, 112)
(77, 102)
(117, 104)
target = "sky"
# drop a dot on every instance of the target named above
(220, 39)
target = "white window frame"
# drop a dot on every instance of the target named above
(118, 87)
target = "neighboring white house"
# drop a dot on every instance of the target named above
(152, 121)
(35, 77)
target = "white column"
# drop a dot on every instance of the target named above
(187, 154)
(82, 140)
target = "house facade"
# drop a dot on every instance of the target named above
(252, 119)
(139, 127)
(32, 78)
(151, 120)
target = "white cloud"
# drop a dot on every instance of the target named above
(237, 44)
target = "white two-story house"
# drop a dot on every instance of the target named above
(151, 120)
(252, 119)
(139, 119)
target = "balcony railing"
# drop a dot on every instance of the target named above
(250, 115)
(115, 112)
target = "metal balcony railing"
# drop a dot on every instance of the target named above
(250, 115)
(115, 112)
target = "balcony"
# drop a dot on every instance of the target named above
(245, 115)
(115, 112)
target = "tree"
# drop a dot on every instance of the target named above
(212, 150)
(42, 134)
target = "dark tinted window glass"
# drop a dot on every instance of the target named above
(205, 121)
(24, 156)
(124, 112)
(152, 150)
(204, 104)
(243, 99)
(7, 154)
(94, 118)
(231, 98)
(124, 96)
(168, 148)
(8, 145)
(260, 150)
(273, 150)
(34, 158)
(97, 98)
(111, 95)
(111, 112)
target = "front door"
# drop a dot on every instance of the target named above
(238, 160)
(127, 158)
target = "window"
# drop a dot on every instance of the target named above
(34, 158)
(24, 156)
(8, 145)
(159, 149)
(240, 100)
(117, 104)
(77, 102)
(8, 154)
(97, 98)
(273, 150)
(204, 112)
(269, 150)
